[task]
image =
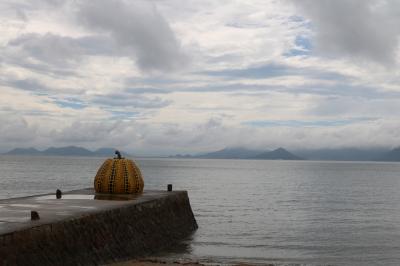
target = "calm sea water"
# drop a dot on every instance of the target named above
(338, 213)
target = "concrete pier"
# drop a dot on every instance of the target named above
(82, 228)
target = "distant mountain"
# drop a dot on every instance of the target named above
(278, 154)
(391, 156)
(66, 151)
(243, 153)
(343, 154)
(21, 151)
(230, 153)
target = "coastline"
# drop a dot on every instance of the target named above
(155, 262)
(174, 262)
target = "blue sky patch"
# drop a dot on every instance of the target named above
(303, 42)
(70, 103)
(303, 46)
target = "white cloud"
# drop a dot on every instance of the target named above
(171, 76)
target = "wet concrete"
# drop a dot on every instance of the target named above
(84, 228)
(15, 214)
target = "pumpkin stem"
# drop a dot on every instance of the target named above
(118, 154)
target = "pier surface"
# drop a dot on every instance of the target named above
(84, 228)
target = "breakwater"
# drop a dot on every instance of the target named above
(82, 228)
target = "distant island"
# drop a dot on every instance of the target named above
(65, 151)
(230, 153)
(339, 154)
(391, 156)
(243, 153)
(278, 154)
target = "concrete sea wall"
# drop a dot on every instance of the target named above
(133, 228)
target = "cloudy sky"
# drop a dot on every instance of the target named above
(160, 77)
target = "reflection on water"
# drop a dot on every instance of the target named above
(66, 197)
(24, 205)
(183, 247)
(97, 196)
(329, 213)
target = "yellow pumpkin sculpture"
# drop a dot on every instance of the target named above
(118, 176)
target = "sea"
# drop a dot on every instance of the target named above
(254, 211)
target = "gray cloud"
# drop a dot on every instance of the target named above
(26, 84)
(139, 30)
(59, 50)
(14, 130)
(95, 134)
(119, 28)
(85, 132)
(148, 90)
(353, 106)
(81, 89)
(211, 134)
(37, 86)
(363, 29)
(166, 138)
